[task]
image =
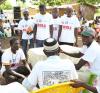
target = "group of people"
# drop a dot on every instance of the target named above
(50, 32)
(45, 25)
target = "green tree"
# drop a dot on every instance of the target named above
(6, 5)
(52, 2)
(89, 1)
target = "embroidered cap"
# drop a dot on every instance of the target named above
(88, 31)
(50, 45)
(25, 10)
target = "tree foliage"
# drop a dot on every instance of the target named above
(89, 1)
(59, 2)
(6, 5)
(53, 2)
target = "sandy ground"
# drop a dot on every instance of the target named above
(5, 42)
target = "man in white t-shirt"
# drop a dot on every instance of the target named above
(51, 71)
(90, 54)
(70, 24)
(14, 87)
(25, 35)
(56, 22)
(43, 26)
(14, 65)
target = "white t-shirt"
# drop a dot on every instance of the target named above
(52, 71)
(92, 56)
(9, 58)
(43, 23)
(56, 23)
(14, 87)
(68, 26)
(23, 25)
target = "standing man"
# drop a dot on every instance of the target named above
(90, 54)
(43, 26)
(14, 65)
(70, 24)
(51, 71)
(25, 35)
(56, 22)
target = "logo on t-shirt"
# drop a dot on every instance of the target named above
(54, 77)
(66, 27)
(41, 25)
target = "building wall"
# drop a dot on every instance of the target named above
(87, 10)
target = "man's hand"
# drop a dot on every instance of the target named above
(29, 30)
(77, 83)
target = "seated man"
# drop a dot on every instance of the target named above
(51, 71)
(14, 65)
(90, 54)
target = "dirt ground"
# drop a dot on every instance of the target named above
(5, 42)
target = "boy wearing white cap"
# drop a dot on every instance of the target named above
(51, 71)
(90, 54)
(26, 35)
